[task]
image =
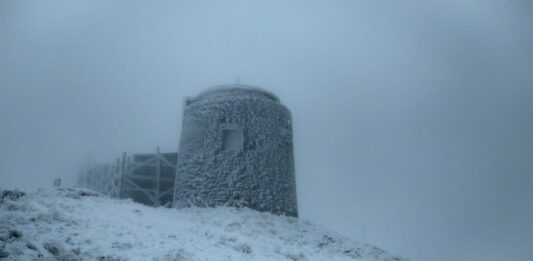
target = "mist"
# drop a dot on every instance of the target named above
(412, 121)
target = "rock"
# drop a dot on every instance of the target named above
(53, 248)
(12, 194)
(14, 234)
(85, 193)
(31, 246)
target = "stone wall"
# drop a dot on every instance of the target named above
(236, 149)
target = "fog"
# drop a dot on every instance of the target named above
(413, 121)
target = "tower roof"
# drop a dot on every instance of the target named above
(235, 90)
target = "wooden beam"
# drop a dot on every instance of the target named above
(166, 192)
(157, 177)
(151, 197)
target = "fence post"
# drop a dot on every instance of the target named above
(122, 169)
(157, 178)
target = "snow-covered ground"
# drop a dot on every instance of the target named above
(75, 224)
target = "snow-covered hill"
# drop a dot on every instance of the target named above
(74, 224)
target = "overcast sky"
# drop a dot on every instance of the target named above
(413, 121)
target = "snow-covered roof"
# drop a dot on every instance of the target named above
(236, 89)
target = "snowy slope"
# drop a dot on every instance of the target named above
(74, 224)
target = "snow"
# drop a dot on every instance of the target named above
(76, 224)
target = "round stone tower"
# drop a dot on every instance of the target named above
(236, 150)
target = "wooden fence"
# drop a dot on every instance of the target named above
(145, 178)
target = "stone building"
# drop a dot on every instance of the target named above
(236, 149)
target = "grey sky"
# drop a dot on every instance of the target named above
(412, 121)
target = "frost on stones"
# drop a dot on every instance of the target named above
(236, 150)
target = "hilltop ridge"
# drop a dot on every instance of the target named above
(79, 224)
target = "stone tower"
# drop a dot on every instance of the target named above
(236, 149)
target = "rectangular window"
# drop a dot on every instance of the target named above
(232, 137)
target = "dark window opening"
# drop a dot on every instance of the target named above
(232, 139)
